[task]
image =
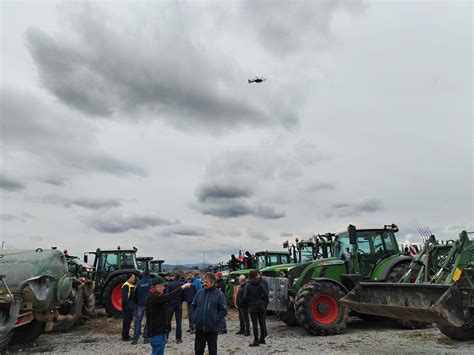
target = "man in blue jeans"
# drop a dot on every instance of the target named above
(176, 305)
(141, 292)
(158, 318)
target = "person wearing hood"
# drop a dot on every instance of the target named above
(256, 296)
(209, 309)
(234, 263)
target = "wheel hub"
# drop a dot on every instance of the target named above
(322, 308)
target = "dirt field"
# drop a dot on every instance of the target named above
(102, 336)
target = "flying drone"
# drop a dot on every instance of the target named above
(257, 80)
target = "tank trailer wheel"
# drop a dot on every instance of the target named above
(318, 309)
(4, 338)
(113, 296)
(28, 332)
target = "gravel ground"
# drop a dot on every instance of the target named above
(102, 336)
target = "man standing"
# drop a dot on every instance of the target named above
(256, 295)
(188, 296)
(158, 318)
(176, 306)
(243, 309)
(210, 308)
(127, 305)
(220, 284)
(141, 293)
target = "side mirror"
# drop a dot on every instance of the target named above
(352, 234)
(85, 258)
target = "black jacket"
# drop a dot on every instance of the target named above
(210, 308)
(256, 296)
(157, 315)
(239, 302)
(220, 284)
(174, 285)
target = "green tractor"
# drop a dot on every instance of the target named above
(303, 251)
(111, 268)
(438, 287)
(313, 290)
(156, 267)
(262, 259)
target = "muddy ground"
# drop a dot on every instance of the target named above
(102, 335)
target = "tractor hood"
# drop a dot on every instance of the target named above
(275, 271)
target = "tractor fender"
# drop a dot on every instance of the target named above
(114, 274)
(392, 264)
(334, 282)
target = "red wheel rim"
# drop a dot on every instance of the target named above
(117, 298)
(324, 309)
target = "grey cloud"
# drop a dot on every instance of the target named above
(258, 236)
(366, 206)
(233, 208)
(189, 231)
(116, 223)
(319, 186)
(56, 136)
(84, 202)
(183, 87)
(9, 184)
(222, 191)
(55, 181)
(6, 217)
(285, 28)
(286, 234)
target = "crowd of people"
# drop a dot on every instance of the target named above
(160, 300)
(247, 261)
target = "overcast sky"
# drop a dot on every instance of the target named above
(133, 123)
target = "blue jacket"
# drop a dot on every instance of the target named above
(141, 291)
(189, 293)
(210, 308)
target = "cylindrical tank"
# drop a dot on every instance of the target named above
(20, 265)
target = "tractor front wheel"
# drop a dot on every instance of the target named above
(113, 295)
(318, 309)
(463, 333)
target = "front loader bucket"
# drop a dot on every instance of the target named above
(415, 302)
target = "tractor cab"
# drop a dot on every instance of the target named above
(271, 258)
(144, 263)
(111, 269)
(156, 266)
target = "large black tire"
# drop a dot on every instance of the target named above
(394, 276)
(397, 272)
(89, 305)
(4, 338)
(464, 333)
(318, 309)
(28, 332)
(117, 281)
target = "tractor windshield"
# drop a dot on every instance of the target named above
(306, 252)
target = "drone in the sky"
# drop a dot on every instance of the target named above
(257, 80)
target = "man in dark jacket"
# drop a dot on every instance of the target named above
(158, 319)
(127, 305)
(234, 263)
(256, 295)
(243, 308)
(176, 306)
(141, 292)
(188, 296)
(210, 308)
(220, 284)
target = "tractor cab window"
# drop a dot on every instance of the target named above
(342, 246)
(390, 244)
(261, 261)
(128, 261)
(109, 262)
(284, 259)
(272, 260)
(141, 264)
(306, 253)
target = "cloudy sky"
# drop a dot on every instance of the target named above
(133, 123)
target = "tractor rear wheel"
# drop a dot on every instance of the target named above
(318, 309)
(113, 295)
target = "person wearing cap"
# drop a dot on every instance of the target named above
(158, 318)
(209, 308)
(176, 305)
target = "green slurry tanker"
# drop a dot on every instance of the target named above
(313, 290)
(34, 283)
(438, 288)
